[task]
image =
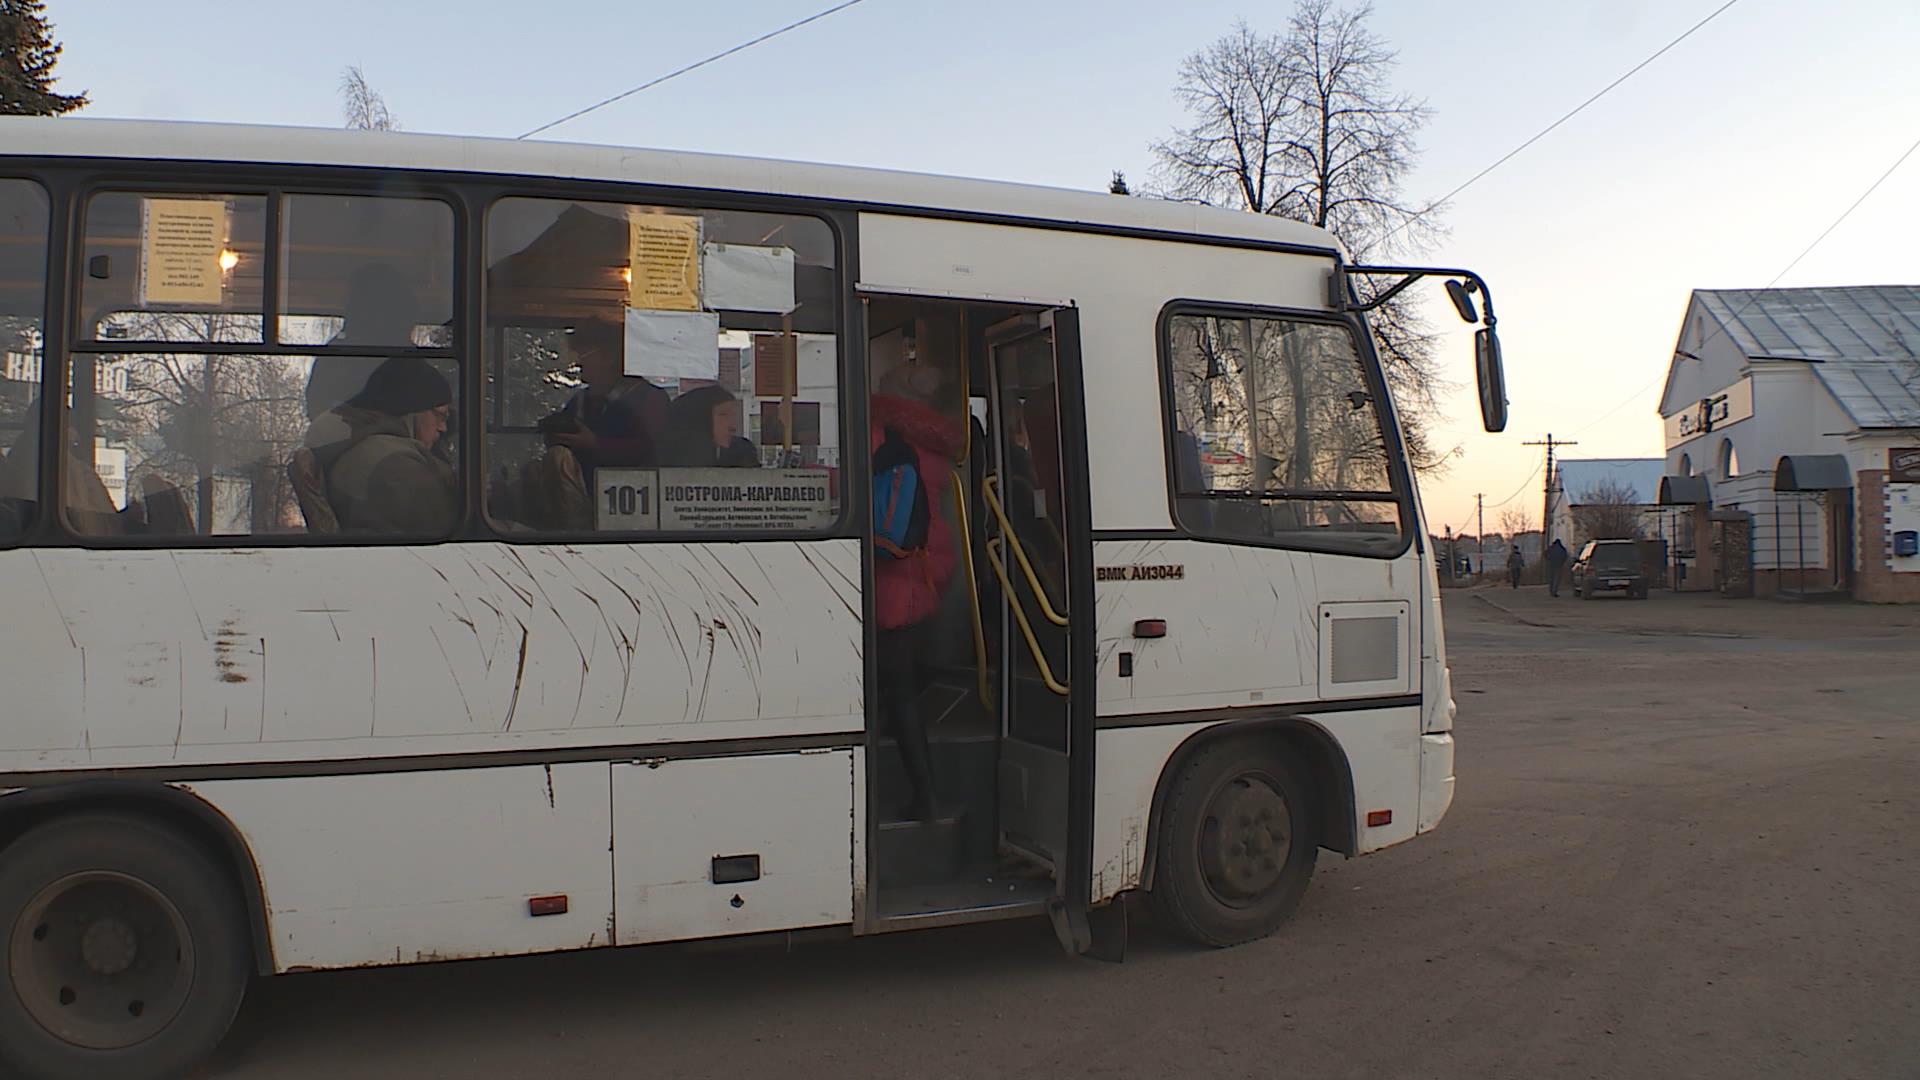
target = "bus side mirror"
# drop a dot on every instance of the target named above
(1493, 380)
(1461, 294)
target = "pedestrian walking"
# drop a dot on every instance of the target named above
(1556, 565)
(1516, 562)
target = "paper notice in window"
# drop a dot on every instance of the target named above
(664, 257)
(180, 244)
(667, 345)
(741, 277)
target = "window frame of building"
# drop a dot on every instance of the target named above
(277, 186)
(37, 402)
(850, 406)
(1399, 478)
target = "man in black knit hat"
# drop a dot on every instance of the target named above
(387, 478)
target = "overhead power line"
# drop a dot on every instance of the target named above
(1721, 328)
(1575, 111)
(722, 55)
(1518, 490)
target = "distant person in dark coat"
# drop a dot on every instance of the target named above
(1516, 562)
(1556, 565)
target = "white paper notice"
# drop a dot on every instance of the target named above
(673, 344)
(180, 243)
(741, 277)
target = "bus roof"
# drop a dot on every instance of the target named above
(883, 188)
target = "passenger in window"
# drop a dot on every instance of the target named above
(389, 477)
(703, 431)
(380, 313)
(88, 505)
(908, 586)
(616, 419)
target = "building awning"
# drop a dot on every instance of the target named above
(1813, 472)
(1685, 491)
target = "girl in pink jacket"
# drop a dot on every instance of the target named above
(907, 591)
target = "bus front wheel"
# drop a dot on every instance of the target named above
(126, 951)
(1238, 842)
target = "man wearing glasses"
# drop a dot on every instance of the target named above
(389, 477)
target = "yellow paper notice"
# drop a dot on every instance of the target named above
(665, 259)
(180, 244)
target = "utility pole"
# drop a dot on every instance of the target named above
(1480, 528)
(1546, 518)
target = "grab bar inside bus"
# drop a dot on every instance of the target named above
(1020, 616)
(989, 487)
(973, 589)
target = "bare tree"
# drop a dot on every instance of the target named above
(1609, 510)
(1516, 522)
(219, 426)
(1906, 373)
(1307, 125)
(362, 105)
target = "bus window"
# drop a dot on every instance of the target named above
(656, 369)
(1277, 437)
(366, 271)
(191, 419)
(23, 277)
(173, 268)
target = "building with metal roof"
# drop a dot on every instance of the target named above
(1585, 482)
(1829, 377)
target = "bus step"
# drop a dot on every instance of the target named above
(920, 852)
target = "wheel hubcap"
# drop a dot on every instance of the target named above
(101, 960)
(1246, 837)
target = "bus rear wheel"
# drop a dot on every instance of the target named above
(1238, 842)
(126, 951)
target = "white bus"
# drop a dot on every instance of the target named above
(418, 548)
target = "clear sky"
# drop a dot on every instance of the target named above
(1710, 169)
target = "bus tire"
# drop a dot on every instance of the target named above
(127, 951)
(1239, 837)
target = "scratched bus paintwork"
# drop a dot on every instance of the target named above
(283, 653)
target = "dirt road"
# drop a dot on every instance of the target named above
(1685, 844)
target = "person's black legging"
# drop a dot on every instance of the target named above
(898, 658)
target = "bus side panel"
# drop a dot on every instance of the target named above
(1245, 625)
(1245, 632)
(130, 658)
(733, 845)
(392, 868)
(1128, 763)
(1383, 748)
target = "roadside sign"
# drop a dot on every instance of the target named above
(1903, 465)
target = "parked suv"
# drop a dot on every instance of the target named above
(1609, 566)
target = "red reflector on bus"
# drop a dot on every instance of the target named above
(1150, 628)
(547, 905)
(1377, 818)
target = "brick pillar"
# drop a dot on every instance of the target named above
(1877, 582)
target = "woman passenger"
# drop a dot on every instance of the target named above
(703, 431)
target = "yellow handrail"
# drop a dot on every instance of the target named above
(989, 487)
(1020, 617)
(973, 589)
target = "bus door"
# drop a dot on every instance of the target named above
(1040, 551)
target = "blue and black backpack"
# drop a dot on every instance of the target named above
(899, 499)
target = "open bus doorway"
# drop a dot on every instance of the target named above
(985, 676)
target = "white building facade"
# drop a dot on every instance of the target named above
(1762, 375)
